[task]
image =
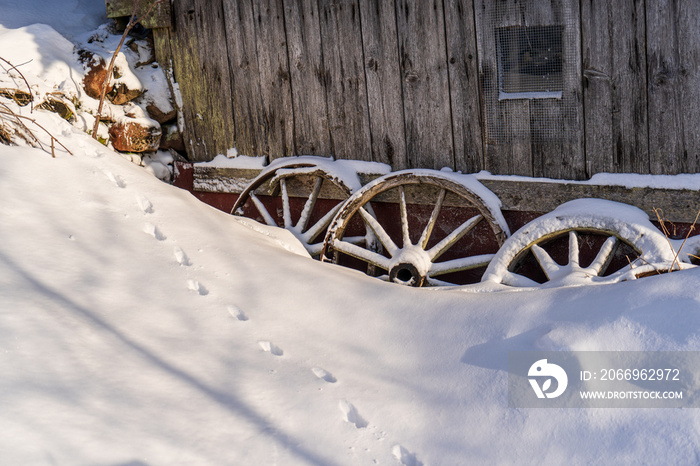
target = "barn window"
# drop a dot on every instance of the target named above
(529, 62)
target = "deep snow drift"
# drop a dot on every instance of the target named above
(142, 327)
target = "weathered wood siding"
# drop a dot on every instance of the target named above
(416, 83)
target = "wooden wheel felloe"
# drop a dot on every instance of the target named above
(290, 180)
(424, 198)
(620, 242)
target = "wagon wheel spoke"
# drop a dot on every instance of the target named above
(514, 279)
(549, 266)
(428, 230)
(573, 249)
(627, 272)
(458, 265)
(309, 205)
(363, 254)
(314, 249)
(435, 282)
(371, 241)
(263, 211)
(321, 224)
(378, 230)
(604, 256)
(404, 217)
(286, 210)
(446, 243)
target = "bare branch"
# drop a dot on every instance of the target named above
(29, 89)
(5, 110)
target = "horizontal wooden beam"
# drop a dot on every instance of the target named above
(160, 16)
(676, 205)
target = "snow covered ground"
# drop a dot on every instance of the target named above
(141, 327)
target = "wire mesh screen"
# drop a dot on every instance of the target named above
(534, 45)
(530, 61)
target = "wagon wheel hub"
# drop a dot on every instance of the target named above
(407, 274)
(410, 267)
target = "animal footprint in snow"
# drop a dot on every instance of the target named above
(405, 457)
(180, 256)
(194, 285)
(323, 375)
(351, 415)
(116, 179)
(270, 348)
(237, 313)
(153, 230)
(144, 204)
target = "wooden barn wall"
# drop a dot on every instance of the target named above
(405, 82)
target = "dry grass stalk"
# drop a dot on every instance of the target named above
(665, 229)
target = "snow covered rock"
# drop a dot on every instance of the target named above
(172, 138)
(96, 70)
(59, 105)
(122, 87)
(160, 115)
(135, 135)
(156, 98)
(127, 86)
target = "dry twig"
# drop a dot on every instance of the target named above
(29, 89)
(8, 115)
(7, 112)
(662, 222)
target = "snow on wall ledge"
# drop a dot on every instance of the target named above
(675, 195)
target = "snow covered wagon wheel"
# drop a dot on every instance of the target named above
(432, 205)
(619, 241)
(304, 193)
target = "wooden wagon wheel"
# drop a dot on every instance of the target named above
(547, 252)
(419, 262)
(310, 178)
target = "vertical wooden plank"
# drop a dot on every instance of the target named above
(275, 80)
(673, 52)
(383, 76)
(557, 136)
(615, 94)
(507, 148)
(200, 66)
(422, 48)
(164, 55)
(464, 85)
(345, 79)
(555, 123)
(245, 83)
(311, 129)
